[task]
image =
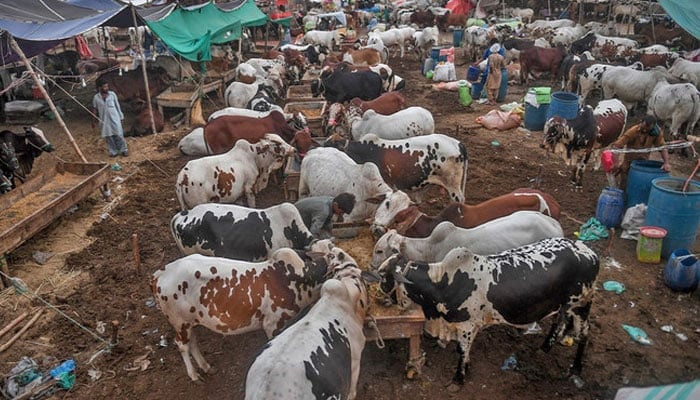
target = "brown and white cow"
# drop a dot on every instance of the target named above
(386, 104)
(540, 60)
(365, 56)
(224, 178)
(399, 213)
(464, 292)
(233, 297)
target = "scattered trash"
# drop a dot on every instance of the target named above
(510, 363)
(116, 167)
(632, 304)
(681, 336)
(482, 101)
(670, 329)
(163, 341)
(104, 216)
(611, 262)
(578, 382)
(614, 286)
(100, 327)
(667, 328)
(637, 334)
(41, 257)
(495, 143)
(533, 329)
(593, 230)
(567, 341)
(117, 179)
(64, 374)
(94, 374)
(72, 210)
(150, 302)
(141, 363)
(149, 332)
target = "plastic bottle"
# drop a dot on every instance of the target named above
(65, 367)
(510, 363)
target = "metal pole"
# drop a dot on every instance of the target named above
(37, 82)
(653, 29)
(143, 69)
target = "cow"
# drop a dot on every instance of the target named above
(576, 139)
(632, 86)
(409, 122)
(8, 165)
(651, 60)
(540, 59)
(589, 76)
(129, 86)
(679, 103)
(622, 10)
(386, 104)
(495, 236)
(96, 64)
(687, 71)
(408, 220)
(568, 63)
(448, 19)
(566, 35)
(522, 14)
(176, 69)
(328, 39)
(542, 24)
(659, 33)
(26, 146)
(366, 56)
(142, 124)
(221, 134)
(329, 172)
(465, 292)
(422, 18)
(476, 39)
(599, 28)
(392, 37)
(390, 81)
(425, 40)
(232, 297)
(318, 356)
(414, 162)
(224, 178)
(242, 233)
(340, 86)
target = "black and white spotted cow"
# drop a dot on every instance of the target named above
(242, 233)
(466, 292)
(319, 356)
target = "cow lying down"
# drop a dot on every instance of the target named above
(465, 292)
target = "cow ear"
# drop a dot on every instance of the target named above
(376, 199)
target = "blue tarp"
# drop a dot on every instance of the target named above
(685, 13)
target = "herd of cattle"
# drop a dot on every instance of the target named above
(504, 261)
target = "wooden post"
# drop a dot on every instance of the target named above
(21, 332)
(12, 324)
(143, 69)
(653, 29)
(135, 249)
(37, 82)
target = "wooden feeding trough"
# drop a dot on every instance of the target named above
(393, 323)
(290, 184)
(184, 96)
(313, 111)
(298, 93)
(310, 75)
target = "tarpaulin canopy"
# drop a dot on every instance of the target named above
(39, 25)
(685, 13)
(190, 31)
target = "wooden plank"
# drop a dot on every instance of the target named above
(397, 326)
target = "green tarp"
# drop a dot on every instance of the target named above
(191, 31)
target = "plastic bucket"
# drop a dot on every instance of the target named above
(639, 178)
(457, 36)
(611, 202)
(473, 73)
(465, 98)
(564, 104)
(674, 210)
(477, 87)
(435, 54)
(649, 244)
(681, 271)
(535, 116)
(503, 89)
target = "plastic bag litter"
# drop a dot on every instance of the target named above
(633, 219)
(592, 230)
(614, 286)
(496, 119)
(637, 334)
(41, 257)
(512, 107)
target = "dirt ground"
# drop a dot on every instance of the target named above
(92, 277)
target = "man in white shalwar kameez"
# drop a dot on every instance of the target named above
(106, 105)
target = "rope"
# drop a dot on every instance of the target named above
(68, 94)
(21, 288)
(372, 324)
(652, 149)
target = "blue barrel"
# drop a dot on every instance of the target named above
(674, 210)
(681, 271)
(457, 36)
(639, 178)
(435, 54)
(564, 104)
(473, 73)
(477, 87)
(503, 89)
(611, 202)
(535, 117)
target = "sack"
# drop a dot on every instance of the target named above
(500, 120)
(444, 72)
(633, 219)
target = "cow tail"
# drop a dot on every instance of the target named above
(463, 154)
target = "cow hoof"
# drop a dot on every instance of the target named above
(211, 371)
(412, 373)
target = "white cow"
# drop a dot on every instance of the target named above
(321, 349)
(612, 46)
(475, 40)
(424, 40)
(392, 37)
(326, 38)
(566, 35)
(622, 10)
(632, 86)
(224, 178)
(505, 233)
(239, 94)
(409, 122)
(599, 28)
(523, 14)
(542, 24)
(679, 103)
(592, 77)
(688, 71)
(328, 172)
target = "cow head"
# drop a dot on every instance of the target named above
(393, 280)
(392, 204)
(37, 139)
(335, 117)
(389, 244)
(554, 132)
(317, 87)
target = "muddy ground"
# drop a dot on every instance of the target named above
(92, 277)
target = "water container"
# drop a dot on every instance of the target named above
(564, 104)
(681, 271)
(674, 210)
(435, 54)
(650, 243)
(457, 36)
(639, 178)
(473, 73)
(477, 87)
(611, 202)
(465, 98)
(535, 116)
(503, 89)
(428, 65)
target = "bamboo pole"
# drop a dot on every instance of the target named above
(135, 250)
(28, 64)
(143, 69)
(12, 324)
(21, 332)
